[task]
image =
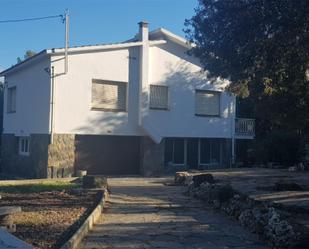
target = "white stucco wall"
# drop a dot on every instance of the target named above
(32, 100)
(170, 65)
(73, 112)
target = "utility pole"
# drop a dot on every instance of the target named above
(67, 25)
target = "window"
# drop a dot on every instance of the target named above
(24, 146)
(11, 99)
(179, 151)
(175, 151)
(210, 151)
(109, 95)
(207, 103)
(158, 97)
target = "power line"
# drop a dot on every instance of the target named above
(30, 19)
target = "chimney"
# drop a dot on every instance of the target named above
(143, 31)
(143, 68)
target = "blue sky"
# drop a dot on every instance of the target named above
(91, 22)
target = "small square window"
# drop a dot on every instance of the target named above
(158, 97)
(109, 95)
(24, 146)
(11, 99)
(207, 103)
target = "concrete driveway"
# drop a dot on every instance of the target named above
(147, 213)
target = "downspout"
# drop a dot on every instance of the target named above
(52, 103)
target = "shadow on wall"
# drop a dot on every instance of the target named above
(180, 78)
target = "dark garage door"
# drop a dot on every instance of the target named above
(107, 155)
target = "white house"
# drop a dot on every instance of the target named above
(143, 106)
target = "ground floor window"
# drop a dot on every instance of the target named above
(210, 151)
(24, 146)
(175, 150)
(195, 153)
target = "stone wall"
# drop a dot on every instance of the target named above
(152, 157)
(269, 221)
(32, 166)
(61, 156)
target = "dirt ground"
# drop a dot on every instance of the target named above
(48, 218)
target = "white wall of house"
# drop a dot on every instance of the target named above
(170, 65)
(32, 100)
(73, 112)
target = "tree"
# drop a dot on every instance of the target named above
(262, 46)
(28, 54)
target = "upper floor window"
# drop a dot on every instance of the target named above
(158, 97)
(11, 99)
(207, 103)
(24, 146)
(109, 95)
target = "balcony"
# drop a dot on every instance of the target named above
(244, 128)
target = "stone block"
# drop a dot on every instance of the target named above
(91, 181)
(200, 178)
(180, 177)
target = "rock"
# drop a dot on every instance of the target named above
(91, 181)
(180, 177)
(278, 231)
(81, 173)
(201, 178)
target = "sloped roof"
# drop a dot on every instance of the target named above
(156, 37)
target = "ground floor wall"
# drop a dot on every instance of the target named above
(33, 165)
(61, 156)
(107, 155)
(110, 155)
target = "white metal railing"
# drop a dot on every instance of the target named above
(244, 127)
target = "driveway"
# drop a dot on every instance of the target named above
(147, 213)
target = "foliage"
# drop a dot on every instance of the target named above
(262, 46)
(36, 187)
(28, 54)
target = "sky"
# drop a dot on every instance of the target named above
(91, 22)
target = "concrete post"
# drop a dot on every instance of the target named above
(143, 65)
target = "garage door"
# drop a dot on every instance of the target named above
(107, 155)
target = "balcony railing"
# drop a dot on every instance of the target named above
(244, 127)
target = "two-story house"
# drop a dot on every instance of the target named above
(143, 106)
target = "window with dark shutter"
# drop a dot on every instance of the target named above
(109, 95)
(158, 97)
(207, 103)
(11, 99)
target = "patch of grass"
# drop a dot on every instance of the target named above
(37, 187)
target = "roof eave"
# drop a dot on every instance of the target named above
(31, 59)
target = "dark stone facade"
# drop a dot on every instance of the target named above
(61, 156)
(97, 154)
(44, 161)
(32, 166)
(152, 157)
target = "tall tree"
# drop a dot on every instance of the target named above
(28, 54)
(262, 46)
